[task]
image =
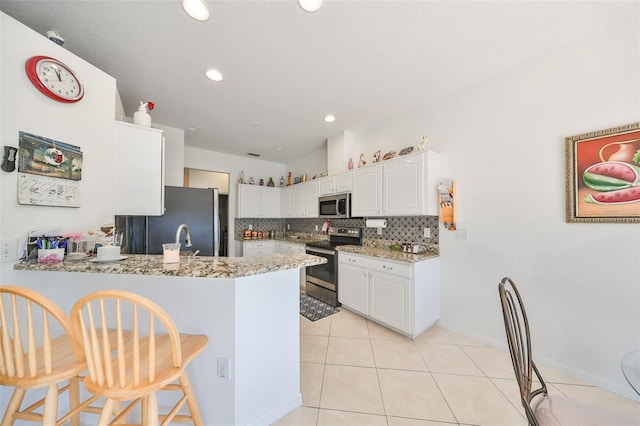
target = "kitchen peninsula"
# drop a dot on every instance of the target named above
(248, 307)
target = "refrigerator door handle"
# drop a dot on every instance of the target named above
(216, 224)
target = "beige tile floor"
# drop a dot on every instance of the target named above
(356, 372)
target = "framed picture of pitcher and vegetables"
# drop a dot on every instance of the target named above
(603, 175)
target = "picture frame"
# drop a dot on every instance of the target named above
(603, 176)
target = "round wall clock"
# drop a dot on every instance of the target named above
(54, 79)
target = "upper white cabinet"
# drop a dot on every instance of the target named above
(335, 184)
(299, 200)
(138, 170)
(258, 201)
(403, 186)
(286, 202)
(311, 198)
(366, 197)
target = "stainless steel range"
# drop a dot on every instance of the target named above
(322, 280)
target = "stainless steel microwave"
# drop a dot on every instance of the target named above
(336, 206)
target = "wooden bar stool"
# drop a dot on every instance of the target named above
(155, 358)
(37, 350)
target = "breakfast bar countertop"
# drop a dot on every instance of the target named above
(189, 266)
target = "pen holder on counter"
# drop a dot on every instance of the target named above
(50, 255)
(171, 253)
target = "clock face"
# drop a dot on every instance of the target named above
(54, 79)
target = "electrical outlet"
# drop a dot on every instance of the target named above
(250, 227)
(288, 226)
(8, 250)
(316, 227)
(224, 368)
(427, 233)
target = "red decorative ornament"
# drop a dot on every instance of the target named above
(150, 105)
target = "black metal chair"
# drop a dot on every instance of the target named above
(539, 407)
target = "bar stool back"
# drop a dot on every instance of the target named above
(37, 351)
(154, 359)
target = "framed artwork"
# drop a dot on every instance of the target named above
(603, 176)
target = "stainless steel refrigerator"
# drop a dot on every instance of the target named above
(197, 208)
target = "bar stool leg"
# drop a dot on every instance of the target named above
(50, 413)
(185, 383)
(13, 407)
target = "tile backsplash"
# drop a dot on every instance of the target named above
(400, 229)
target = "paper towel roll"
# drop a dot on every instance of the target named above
(376, 223)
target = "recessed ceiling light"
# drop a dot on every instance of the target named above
(310, 5)
(214, 75)
(278, 148)
(196, 9)
(329, 118)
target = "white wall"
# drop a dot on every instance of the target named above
(503, 141)
(196, 158)
(87, 124)
(173, 155)
(312, 164)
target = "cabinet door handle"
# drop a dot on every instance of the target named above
(387, 267)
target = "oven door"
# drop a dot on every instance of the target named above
(322, 280)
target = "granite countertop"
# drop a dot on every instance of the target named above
(369, 247)
(189, 266)
(386, 253)
(291, 239)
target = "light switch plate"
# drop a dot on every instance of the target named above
(427, 233)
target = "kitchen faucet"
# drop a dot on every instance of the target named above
(187, 239)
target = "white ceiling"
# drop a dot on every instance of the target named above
(284, 69)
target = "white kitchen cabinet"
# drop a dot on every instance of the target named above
(353, 282)
(256, 201)
(311, 198)
(366, 198)
(258, 247)
(138, 170)
(271, 201)
(404, 186)
(326, 186)
(335, 184)
(343, 182)
(299, 200)
(286, 202)
(389, 293)
(402, 296)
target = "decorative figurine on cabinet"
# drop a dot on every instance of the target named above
(289, 179)
(362, 161)
(251, 181)
(271, 183)
(241, 178)
(281, 181)
(424, 143)
(261, 182)
(350, 164)
(376, 156)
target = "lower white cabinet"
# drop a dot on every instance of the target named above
(266, 247)
(401, 296)
(258, 248)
